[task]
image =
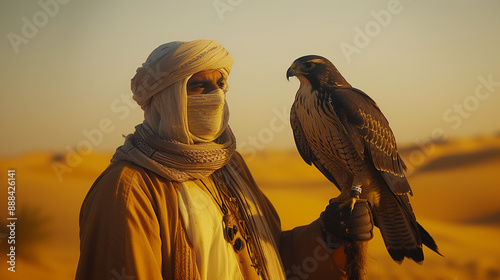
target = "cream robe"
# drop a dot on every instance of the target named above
(131, 228)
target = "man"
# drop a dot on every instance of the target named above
(177, 201)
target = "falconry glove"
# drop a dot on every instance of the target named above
(344, 224)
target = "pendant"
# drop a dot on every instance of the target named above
(231, 232)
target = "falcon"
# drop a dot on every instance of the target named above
(342, 132)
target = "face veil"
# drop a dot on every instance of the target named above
(207, 115)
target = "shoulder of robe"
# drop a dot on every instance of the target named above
(123, 178)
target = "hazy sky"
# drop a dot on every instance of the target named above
(66, 65)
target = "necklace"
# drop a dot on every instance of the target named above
(230, 221)
(235, 220)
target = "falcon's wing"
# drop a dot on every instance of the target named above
(370, 132)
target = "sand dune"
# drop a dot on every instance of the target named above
(455, 189)
(461, 160)
(488, 220)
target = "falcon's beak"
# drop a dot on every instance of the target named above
(290, 72)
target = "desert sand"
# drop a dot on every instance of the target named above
(455, 184)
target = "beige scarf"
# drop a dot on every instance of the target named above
(173, 160)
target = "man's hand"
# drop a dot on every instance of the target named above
(344, 224)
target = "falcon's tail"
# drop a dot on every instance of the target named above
(427, 239)
(403, 236)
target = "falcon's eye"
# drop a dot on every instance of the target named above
(308, 65)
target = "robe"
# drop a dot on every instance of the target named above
(131, 228)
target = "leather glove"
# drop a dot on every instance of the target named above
(346, 225)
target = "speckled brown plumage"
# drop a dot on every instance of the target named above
(341, 130)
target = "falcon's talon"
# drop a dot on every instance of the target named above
(350, 202)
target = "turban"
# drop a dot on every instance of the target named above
(175, 61)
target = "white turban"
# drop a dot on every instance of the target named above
(159, 86)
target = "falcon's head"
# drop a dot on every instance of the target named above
(318, 71)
